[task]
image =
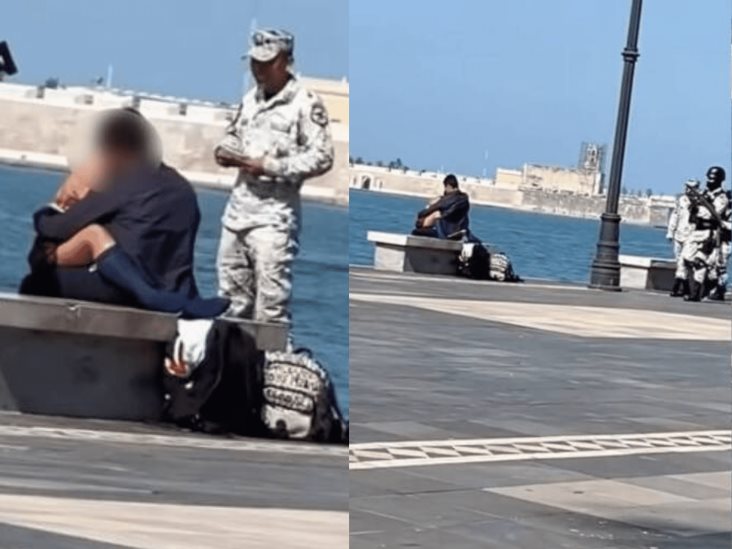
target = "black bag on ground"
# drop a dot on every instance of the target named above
(241, 390)
(224, 393)
(479, 262)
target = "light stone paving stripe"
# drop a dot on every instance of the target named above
(386, 455)
(573, 320)
(385, 275)
(171, 526)
(177, 441)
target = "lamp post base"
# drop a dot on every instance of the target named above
(605, 274)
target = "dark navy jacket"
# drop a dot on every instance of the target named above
(454, 208)
(152, 214)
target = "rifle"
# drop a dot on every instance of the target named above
(702, 200)
(699, 199)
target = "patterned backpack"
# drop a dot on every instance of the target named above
(299, 400)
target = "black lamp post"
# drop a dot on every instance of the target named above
(605, 273)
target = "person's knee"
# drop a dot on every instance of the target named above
(98, 238)
(98, 234)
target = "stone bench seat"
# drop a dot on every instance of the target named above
(646, 273)
(83, 359)
(418, 254)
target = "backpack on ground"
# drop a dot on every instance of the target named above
(479, 262)
(299, 400)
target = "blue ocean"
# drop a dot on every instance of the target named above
(540, 246)
(320, 305)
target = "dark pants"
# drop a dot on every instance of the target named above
(74, 283)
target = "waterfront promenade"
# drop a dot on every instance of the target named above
(73, 484)
(537, 415)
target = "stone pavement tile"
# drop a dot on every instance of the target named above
(644, 465)
(713, 485)
(18, 537)
(713, 480)
(490, 505)
(703, 541)
(588, 531)
(480, 475)
(422, 539)
(473, 428)
(419, 510)
(533, 534)
(361, 432)
(684, 519)
(364, 523)
(378, 482)
(594, 497)
(663, 424)
(407, 430)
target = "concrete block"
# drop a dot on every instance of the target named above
(646, 273)
(81, 359)
(418, 254)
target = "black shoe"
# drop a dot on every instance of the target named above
(717, 294)
(679, 288)
(696, 291)
(709, 287)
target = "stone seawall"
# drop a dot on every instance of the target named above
(636, 210)
(37, 132)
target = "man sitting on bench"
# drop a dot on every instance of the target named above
(446, 216)
(123, 230)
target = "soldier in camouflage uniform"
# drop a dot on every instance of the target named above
(722, 253)
(279, 138)
(700, 250)
(679, 231)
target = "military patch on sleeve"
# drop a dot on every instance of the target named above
(318, 115)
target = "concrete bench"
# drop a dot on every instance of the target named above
(81, 359)
(418, 254)
(646, 273)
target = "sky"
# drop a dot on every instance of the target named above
(187, 48)
(470, 85)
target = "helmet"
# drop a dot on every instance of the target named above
(692, 183)
(716, 175)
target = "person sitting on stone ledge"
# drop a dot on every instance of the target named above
(446, 216)
(122, 229)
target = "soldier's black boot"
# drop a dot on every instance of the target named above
(718, 293)
(678, 289)
(696, 291)
(709, 287)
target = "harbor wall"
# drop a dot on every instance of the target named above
(40, 131)
(638, 210)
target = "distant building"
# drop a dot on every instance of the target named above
(587, 178)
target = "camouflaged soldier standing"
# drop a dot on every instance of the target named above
(279, 139)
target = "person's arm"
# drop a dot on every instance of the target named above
(431, 208)
(51, 224)
(314, 156)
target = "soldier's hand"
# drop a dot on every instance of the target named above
(253, 166)
(225, 159)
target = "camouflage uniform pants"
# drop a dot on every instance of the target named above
(255, 271)
(722, 260)
(698, 253)
(681, 268)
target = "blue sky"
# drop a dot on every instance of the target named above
(439, 83)
(181, 47)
